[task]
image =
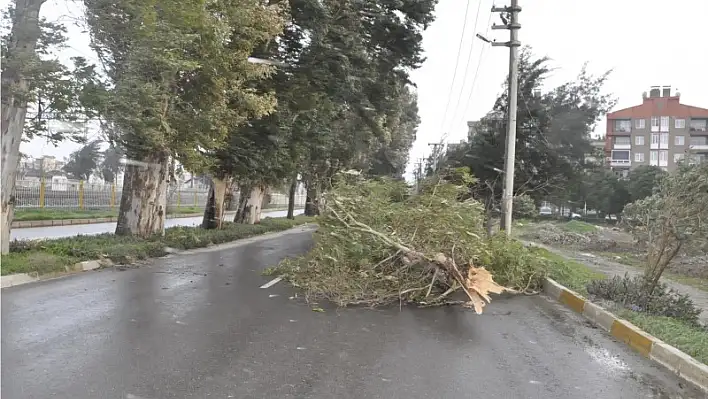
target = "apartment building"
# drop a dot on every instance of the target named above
(661, 131)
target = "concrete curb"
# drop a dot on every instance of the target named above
(23, 224)
(12, 280)
(647, 345)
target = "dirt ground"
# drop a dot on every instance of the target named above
(609, 242)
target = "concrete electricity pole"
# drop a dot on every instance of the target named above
(435, 156)
(510, 17)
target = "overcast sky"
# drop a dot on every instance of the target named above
(646, 43)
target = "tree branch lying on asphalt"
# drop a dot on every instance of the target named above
(378, 244)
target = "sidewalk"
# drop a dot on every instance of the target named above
(610, 268)
(22, 224)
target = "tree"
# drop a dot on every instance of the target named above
(553, 132)
(83, 162)
(111, 164)
(605, 192)
(643, 180)
(33, 79)
(671, 218)
(178, 82)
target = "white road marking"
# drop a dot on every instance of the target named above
(272, 282)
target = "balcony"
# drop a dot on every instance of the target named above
(699, 147)
(622, 146)
(620, 162)
(698, 125)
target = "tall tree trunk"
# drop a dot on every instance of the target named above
(214, 211)
(15, 87)
(144, 200)
(312, 202)
(255, 202)
(291, 197)
(250, 204)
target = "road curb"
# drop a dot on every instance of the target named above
(642, 342)
(23, 224)
(13, 280)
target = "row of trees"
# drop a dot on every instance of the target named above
(177, 85)
(554, 157)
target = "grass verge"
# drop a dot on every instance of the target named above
(687, 337)
(577, 226)
(54, 255)
(63, 214)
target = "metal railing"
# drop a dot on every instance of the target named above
(80, 195)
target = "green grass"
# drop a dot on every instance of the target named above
(569, 273)
(689, 338)
(54, 255)
(62, 214)
(577, 226)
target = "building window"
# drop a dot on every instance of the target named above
(679, 140)
(664, 123)
(678, 158)
(654, 158)
(655, 140)
(638, 157)
(654, 123)
(680, 123)
(624, 126)
(623, 140)
(639, 140)
(639, 123)
(698, 140)
(620, 157)
(664, 141)
(663, 158)
(699, 125)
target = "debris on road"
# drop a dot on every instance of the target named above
(378, 244)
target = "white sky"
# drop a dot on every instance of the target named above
(646, 43)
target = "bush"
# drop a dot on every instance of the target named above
(524, 207)
(514, 265)
(627, 292)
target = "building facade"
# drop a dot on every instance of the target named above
(661, 132)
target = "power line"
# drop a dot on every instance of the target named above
(476, 73)
(467, 67)
(457, 61)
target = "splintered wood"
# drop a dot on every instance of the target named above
(480, 284)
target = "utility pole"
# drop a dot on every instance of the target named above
(435, 156)
(510, 17)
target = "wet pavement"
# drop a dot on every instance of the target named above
(199, 326)
(36, 233)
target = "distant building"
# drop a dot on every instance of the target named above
(661, 131)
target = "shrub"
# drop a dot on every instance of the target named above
(524, 207)
(627, 292)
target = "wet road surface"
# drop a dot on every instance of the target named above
(199, 326)
(36, 233)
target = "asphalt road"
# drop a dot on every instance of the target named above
(36, 233)
(199, 326)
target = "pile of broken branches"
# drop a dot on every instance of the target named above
(378, 244)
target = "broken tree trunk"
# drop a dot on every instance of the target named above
(144, 199)
(214, 211)
(15, 86)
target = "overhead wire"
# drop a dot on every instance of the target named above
(467, 68)
(476, 72)
(457, 61)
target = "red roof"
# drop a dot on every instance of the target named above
(660, 106)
